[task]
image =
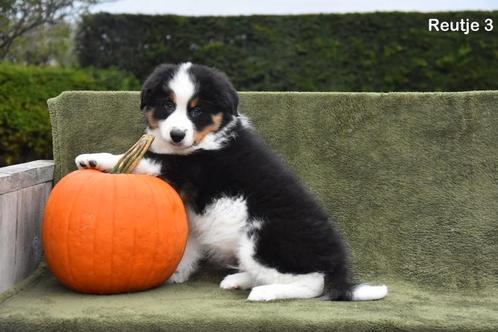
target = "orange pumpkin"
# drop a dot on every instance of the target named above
(111, 233)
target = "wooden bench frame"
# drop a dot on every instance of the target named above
(24, 189)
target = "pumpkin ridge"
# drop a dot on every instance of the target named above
(133, 251)
(48, 233)
(96, 245)
(175, 229)
(114, 191)
(153, 261)
(68, 221)
(180, 212)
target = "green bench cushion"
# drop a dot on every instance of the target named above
(410, 177)
(201, 305)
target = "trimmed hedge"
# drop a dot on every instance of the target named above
(24, 122)
(351, 52)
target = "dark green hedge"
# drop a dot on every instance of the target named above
(352, 52)
(24, 122)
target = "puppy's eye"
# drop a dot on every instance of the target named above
(169, 105)
(195, 112)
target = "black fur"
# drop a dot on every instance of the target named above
(296, 235)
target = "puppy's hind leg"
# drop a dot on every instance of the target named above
(276, 285)
(305, 286)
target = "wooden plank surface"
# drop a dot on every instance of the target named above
(25, 175)
(30, 206)
(24, 190)
(8, 225)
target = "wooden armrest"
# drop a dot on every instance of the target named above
(24, 190)
(25, 175)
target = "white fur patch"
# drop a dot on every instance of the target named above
(162, 146)
(218, 228)
(184, 89)
(244, 121)
(149, 167)
(214, 233)
(182, 85)
(212, 141)
(364, 292)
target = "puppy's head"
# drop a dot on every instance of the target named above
(188, 107)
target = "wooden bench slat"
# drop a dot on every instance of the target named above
(25, 175)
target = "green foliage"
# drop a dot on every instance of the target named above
(20, 17)
(24, 122)
(44, 45)
(352, 52)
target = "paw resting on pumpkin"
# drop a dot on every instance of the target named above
(100, 161)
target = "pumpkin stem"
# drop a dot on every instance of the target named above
(127, 163)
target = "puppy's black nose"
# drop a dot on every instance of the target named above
(177, 135)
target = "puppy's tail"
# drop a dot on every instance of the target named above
(361, 292)
(366, 292)
(351, 292)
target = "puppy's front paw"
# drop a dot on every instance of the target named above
(241, 280)
(179, 277)
(85, 161)
(100, 161)
(229, 283)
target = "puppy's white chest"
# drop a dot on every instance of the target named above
(219, 227)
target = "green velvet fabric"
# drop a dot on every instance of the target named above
(200, 305)
(412, 179)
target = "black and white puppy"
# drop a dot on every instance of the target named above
(245, 208)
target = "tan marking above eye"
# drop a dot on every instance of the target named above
(199, 135)
(151, 121)
(172, 97)
(194, 102)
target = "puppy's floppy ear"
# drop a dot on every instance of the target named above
(160, 74)
(144, 95)
(233, 101)
(229, 94)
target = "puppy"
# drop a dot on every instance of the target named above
(245, 208)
